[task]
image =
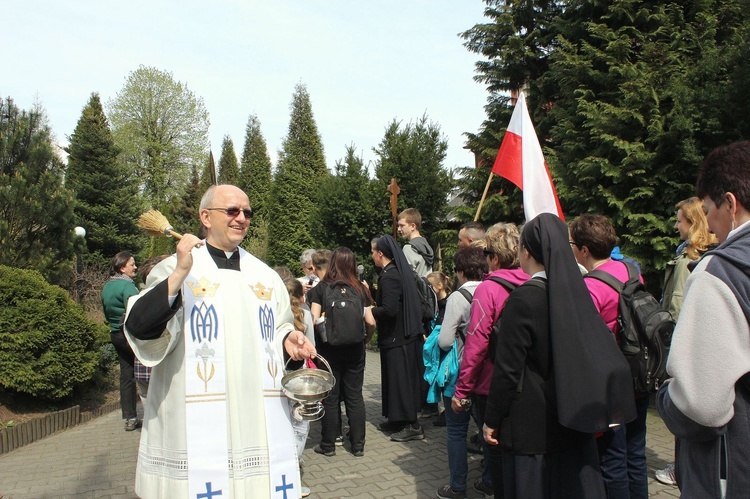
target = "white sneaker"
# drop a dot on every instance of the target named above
(666, 476)
(304, 491)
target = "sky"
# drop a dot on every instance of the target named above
(364, 63)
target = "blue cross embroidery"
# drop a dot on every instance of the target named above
(284, 486)
(209, 493)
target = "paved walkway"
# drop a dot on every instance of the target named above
(97, 460)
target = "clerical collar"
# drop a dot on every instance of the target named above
(222, 261)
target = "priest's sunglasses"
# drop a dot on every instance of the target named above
(233, 211)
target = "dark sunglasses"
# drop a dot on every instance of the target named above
(234, 211)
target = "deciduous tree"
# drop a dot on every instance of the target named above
(162, 128)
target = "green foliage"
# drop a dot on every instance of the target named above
(255, 170)
(256, 242)
(36, 210)
(255, 181)
(627, 98)
(413, 154)
(229, 169)
(162, 128)
(294, 193)
(184, 208)
(344, 215)
(47, 344)
(107, 199)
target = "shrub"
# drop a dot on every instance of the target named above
(47, 343)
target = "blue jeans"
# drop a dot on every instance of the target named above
(622, 457)
(457, 426)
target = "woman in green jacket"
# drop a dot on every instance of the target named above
(115, 294)
(696, 239)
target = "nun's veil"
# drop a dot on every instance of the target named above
(592, 378)
(409, 294)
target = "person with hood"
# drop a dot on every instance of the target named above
(399, 326)
(417, 251)
(501, 253)
(558, 376)
(706, 403)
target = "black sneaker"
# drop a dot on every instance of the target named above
(390, 426)
(328, 453)
(488, 491)
(340, 440)
(446, 492)
(407, 434)
(358, 453)
(427, 413)
(440, 419)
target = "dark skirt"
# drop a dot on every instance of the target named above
(565, 474)
(400, 381)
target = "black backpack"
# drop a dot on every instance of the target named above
(645, 329)
(427, 298)
(345, 316)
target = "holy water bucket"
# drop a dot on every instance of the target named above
(308, 387)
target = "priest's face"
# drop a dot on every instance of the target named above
(225, 218)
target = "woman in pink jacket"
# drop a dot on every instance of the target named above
(473, 384)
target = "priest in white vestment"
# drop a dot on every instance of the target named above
(215, 325)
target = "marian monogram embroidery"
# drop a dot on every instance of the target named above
(204, 327)
(267, 328)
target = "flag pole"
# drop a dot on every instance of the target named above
(484, 195)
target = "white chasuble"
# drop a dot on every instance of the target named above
(216, 423)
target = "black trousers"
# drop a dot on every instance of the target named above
(128, 395)
(348, 366)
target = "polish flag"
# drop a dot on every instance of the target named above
(521, 161)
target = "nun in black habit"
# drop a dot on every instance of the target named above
(559, 376)
(399, 324)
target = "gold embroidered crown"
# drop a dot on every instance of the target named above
(262, 292)
(203, 288)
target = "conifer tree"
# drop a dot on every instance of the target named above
(299, 173)
(107, 200)
(627, 98)
(36, 209)
(229, 169)
(414, 155)
(255, 181)
(255, 170)
(185, 207)
(345, 214)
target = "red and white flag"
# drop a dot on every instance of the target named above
(521, 161)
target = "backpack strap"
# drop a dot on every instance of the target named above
(612, 281)
(509, 286)
(537, 283)
(607, 278)
(466, 294)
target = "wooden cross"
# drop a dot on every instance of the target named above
(394, 189)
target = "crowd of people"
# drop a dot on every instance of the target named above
(534, 323)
